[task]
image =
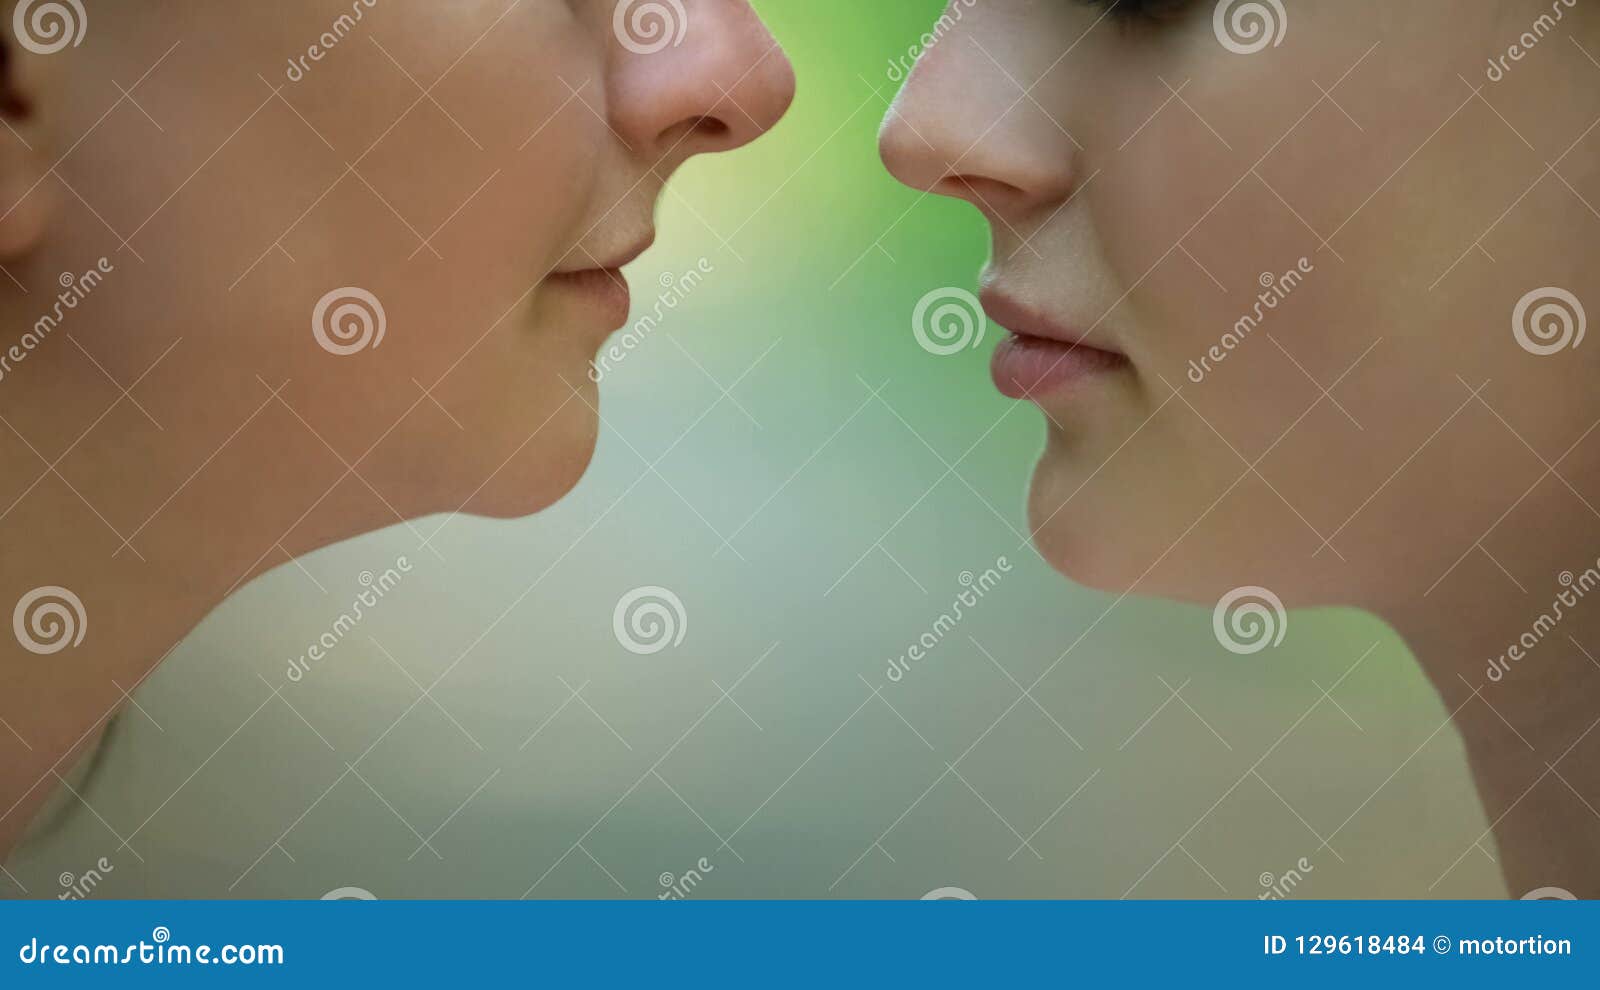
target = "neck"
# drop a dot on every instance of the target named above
(1520, 673)
(195, 529)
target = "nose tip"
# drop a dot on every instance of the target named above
(717, 84)
(947, 136)
(907, 154)
(915, 161)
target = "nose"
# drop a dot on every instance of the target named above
(957, 128)
(695, 76)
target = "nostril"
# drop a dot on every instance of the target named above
(978, 190)
(709, 130)
(710, 127)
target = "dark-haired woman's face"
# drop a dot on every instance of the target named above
(1324, 262)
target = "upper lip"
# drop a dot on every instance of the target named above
(608, 264)
(1030, 321)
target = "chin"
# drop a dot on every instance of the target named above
(1105, 542)
(1069, 531)
(1071, 544)
(1097, 537)
(541, 473)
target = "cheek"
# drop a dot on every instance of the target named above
(1334, 399)
(469, 388)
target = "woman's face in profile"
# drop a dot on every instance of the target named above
(405, 214)
(280, 274)
(1292, 259)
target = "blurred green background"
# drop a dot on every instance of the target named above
(814, 521)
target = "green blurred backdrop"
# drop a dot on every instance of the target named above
(814, 522)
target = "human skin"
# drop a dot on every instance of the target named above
(231, 182)
(1139, 177)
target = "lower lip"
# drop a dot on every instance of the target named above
(604, 289)
(1033, 367)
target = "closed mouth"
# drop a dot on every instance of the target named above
(615, 262)
(1043, 356)
(602, 284)
(605, 290)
